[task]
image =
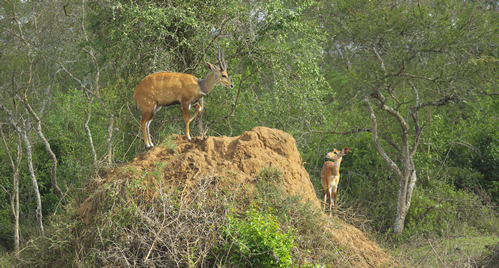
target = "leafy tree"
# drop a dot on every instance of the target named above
(36, 57)
(272, 52)
(467, 151)
(404, 57)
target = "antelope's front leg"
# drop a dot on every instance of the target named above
(324, 193)
(198, 110)
(335, 194)
(185, 112)
(330, 199)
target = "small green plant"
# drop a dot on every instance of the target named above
(258, 239)
(270, 174)
(167, 141)
(157, 173)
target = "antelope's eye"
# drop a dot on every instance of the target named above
(335, 153)
(224, 76)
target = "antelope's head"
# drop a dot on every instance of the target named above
(337, 154)
(221, 76)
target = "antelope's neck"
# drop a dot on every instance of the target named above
(207, 84)
(336, 168)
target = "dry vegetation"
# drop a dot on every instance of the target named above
(176, 205)
(142, 215)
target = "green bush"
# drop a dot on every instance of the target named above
(441, 210)
(257, 239)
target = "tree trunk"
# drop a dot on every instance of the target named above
(404, 202)
(405, 188)
(14, 199)
(89, 133)
(39, 216)
(398, 227)
(53, 157)
(109, 151)
(23, 134)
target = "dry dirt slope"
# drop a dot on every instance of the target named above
(240, 158)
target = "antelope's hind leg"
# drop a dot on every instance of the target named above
(145, 122)
(335, 194)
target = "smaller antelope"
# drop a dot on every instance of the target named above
(330, 176)
(166, 88)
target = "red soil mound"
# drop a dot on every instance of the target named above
(239, 159)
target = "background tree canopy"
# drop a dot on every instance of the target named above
(423, 74)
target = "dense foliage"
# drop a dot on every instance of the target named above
(258, 240)
(310, 68)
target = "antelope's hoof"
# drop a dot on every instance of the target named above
(149, 148)
(190, 140)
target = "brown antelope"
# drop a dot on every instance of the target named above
(166, 88)
(330, 176)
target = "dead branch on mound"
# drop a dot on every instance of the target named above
(170, 233)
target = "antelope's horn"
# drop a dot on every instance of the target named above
(221, 61)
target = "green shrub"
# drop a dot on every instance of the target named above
(441, 210)
(257, 239)
(270, 174)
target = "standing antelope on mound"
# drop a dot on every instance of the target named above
(166, 88)
(330, 176)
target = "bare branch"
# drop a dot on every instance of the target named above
(399, 72)
(87, 129)
(415, 116)
(419, 130)
(135, 135)
(231, 114)
(390, 91)
(352, 131)
(380, 60)
(376, 142)
(6, 192)
(84, 86)
(489, 94)
(377, 95)
(222, 24)
(391, 142)
(440, 102)
(7, 148)
(421, 77)
(23, 134)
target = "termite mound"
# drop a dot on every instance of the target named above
(236, 162)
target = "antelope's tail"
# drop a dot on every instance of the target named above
(136, 105)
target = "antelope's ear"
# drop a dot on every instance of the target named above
(210, 66)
